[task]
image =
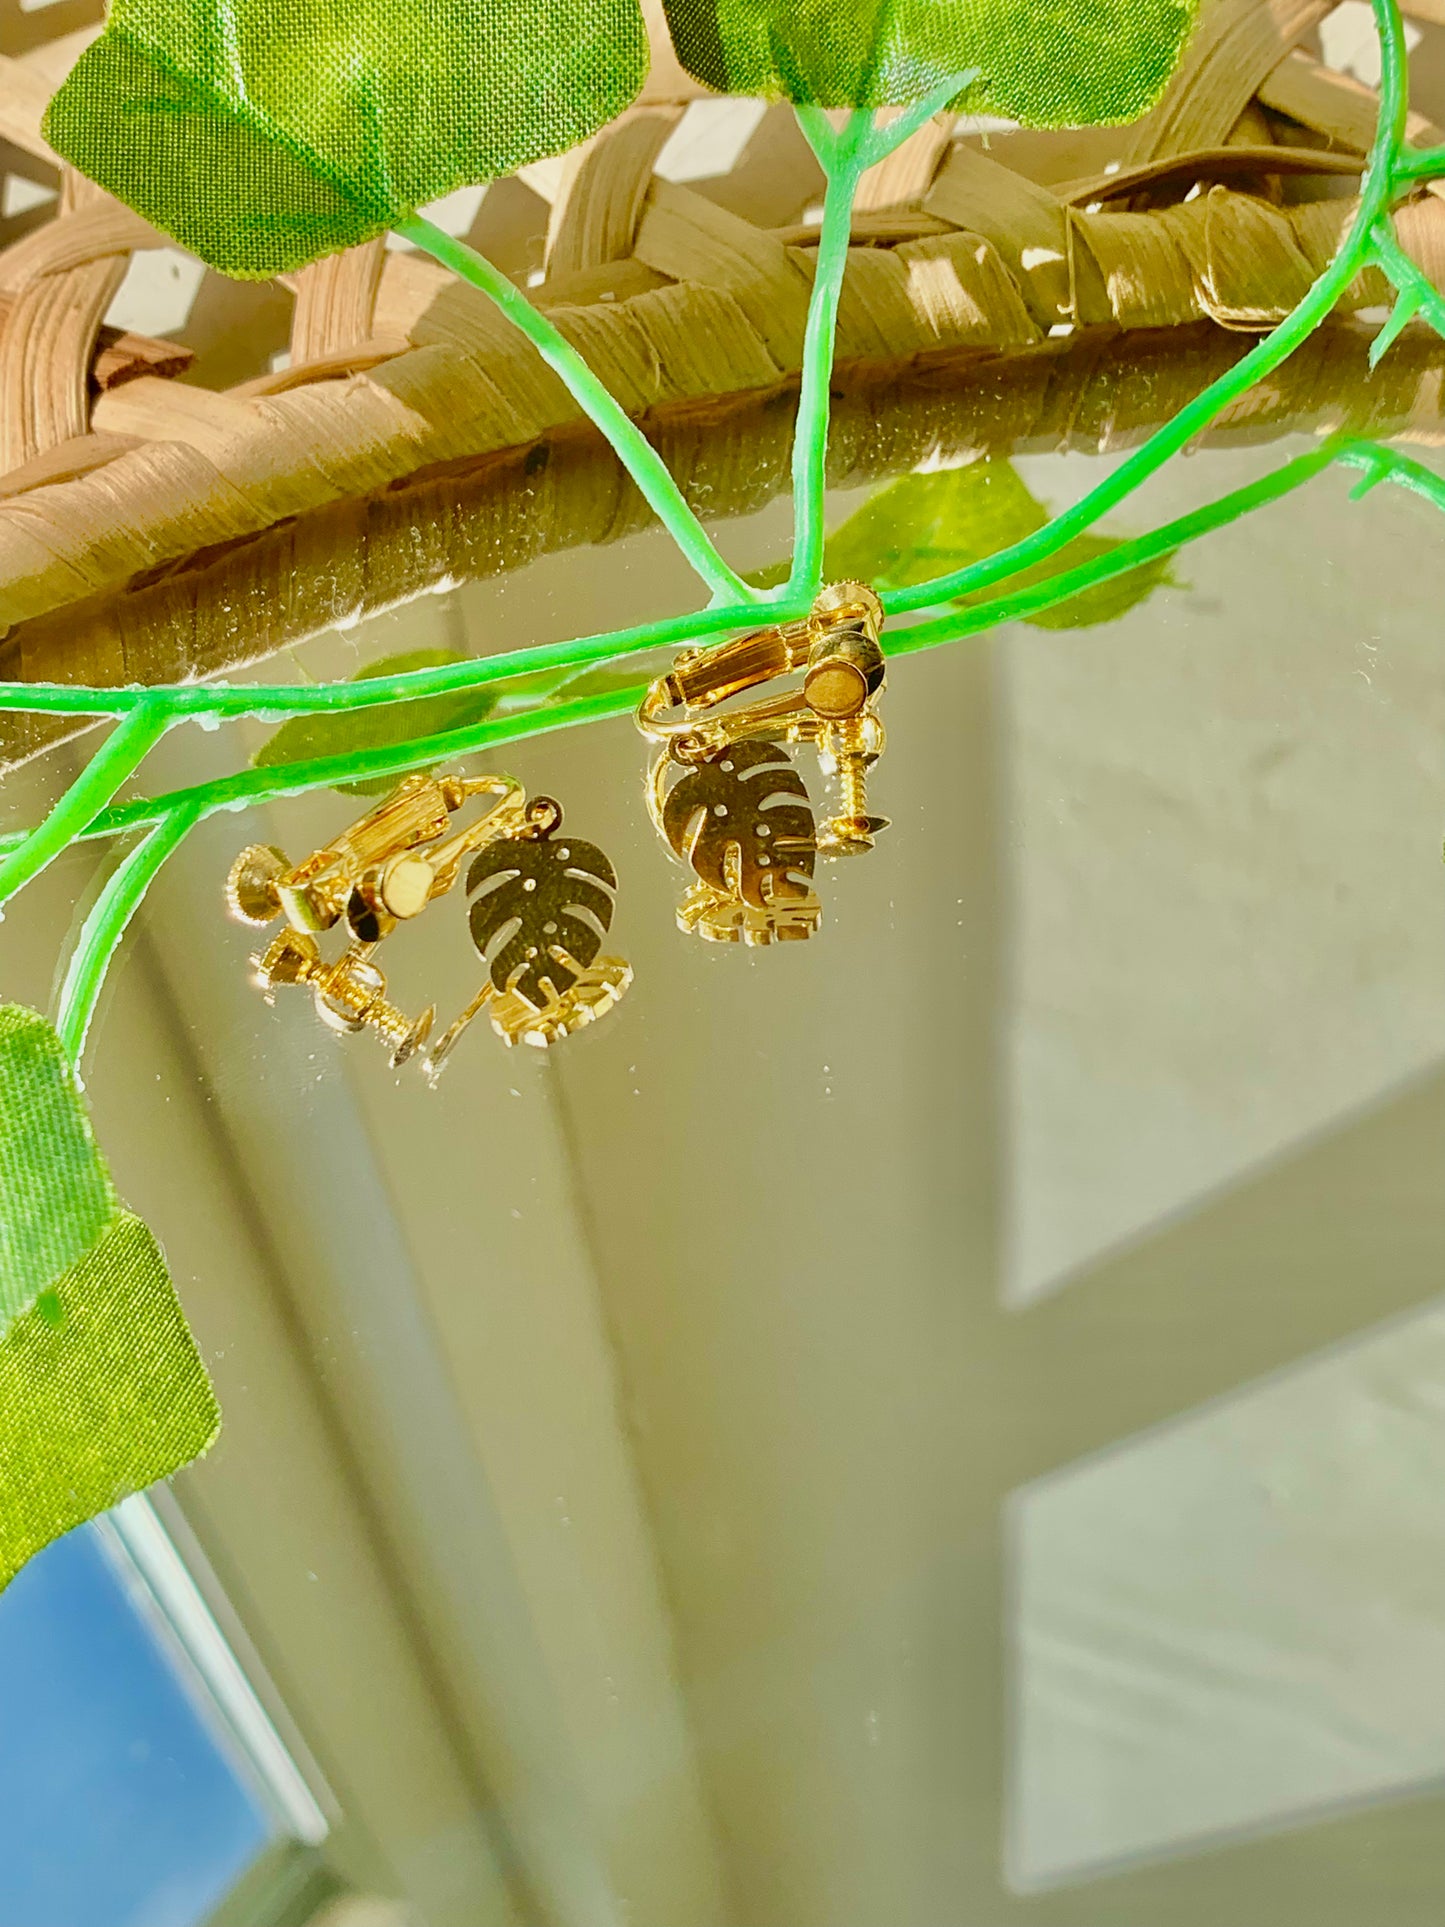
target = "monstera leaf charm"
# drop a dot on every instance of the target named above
(542, 907)
(742, 819)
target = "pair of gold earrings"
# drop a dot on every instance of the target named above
(722, 792)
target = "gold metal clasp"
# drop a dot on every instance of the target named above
(382, 869)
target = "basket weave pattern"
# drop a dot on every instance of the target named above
(1222, 206)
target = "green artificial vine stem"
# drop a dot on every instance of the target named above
(103, 929)
(272, 701)
(1377, 464)
(1418, 294)
(1019, 604)
(144, 714)
(640, 458)
(248, 788)
(119, 757)
(251, 787)
(1388, 464)
(845, 155)
(1423, 163)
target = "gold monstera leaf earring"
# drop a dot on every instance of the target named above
(723, 791)
(542, 906)
(740, 817)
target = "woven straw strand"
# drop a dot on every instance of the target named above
(1210, 211)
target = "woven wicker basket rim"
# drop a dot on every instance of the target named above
(122, 481)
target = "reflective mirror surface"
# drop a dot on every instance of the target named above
(937, 1423)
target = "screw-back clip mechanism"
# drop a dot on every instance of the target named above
(541, 908)
(722, 792)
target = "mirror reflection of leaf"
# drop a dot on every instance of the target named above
(922, 526)
(347, 732)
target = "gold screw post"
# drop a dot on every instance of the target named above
(852, 747)
(846, 673)
(350, 993)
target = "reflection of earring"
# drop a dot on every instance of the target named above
(541, 922)
(723, 792)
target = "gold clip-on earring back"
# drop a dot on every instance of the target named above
(723, 792)
(545, 977)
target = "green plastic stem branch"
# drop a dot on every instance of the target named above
(254, 786)
(273, 701)
(1417, 164)
(103, 929)
(845, 154)
(1376, 191)
(1378, 464)
(1389, 465)
(250, 787)
(639, 457)
(145, 714)
(1418, 294)
(1014, 606)
(119, 757)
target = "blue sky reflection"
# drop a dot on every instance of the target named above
(117, 1809)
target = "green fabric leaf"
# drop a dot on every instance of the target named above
(922, 526)
(55, 1194)
(263, 134)
(102, 1391)
(348, 732)
(1053, 63)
